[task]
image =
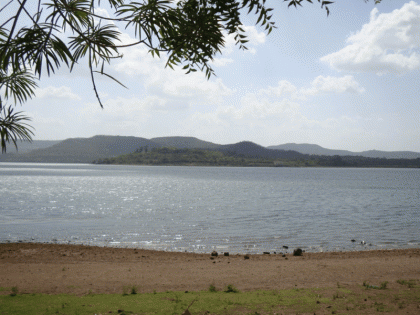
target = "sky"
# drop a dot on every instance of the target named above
(347, 81)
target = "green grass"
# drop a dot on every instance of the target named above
(409, 283)
(216, 302)
(220, 302)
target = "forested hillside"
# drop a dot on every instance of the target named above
(202, 157)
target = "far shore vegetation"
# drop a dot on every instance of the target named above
(206, 157)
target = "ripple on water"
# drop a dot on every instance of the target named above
(198, 209)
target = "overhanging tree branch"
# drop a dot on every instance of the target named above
(191, 32)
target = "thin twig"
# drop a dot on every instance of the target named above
(93, 78)
(16, 17)
(6, 5)
(1, 26)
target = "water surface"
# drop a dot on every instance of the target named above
(233, 209)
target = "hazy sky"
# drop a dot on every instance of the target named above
(347, 81)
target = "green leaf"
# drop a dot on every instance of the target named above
(13, 127)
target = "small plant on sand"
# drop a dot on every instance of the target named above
(212, 288)
(231, 289)
(409, 283)
(383, 285)
(369, 286)
(15, 291)
(380, 307)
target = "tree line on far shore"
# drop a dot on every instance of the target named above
(206, 157)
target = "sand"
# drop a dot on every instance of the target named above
(76, 269)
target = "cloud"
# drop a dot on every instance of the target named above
(321, 84)
(280, 109)
(221, 62)
(254, 106)
(284, 88)
(329, 84)
(63, 92)
(172, 85)
(133, 108)
(102, 12)
(386, 44)
(254, 37)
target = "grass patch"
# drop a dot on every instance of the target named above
(164, 303)
(368, 286)
(409, 283)
(351, 300)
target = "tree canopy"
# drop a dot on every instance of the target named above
(41, 36)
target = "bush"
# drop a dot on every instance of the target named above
(212, 288)
(297, 252)
(231, 289)
(15, 291)
(383, 285)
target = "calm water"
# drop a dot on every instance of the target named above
(239, 210)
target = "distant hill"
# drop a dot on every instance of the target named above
(250, 149)
(314, 149)
(87, 150)
(185, 143)
(26, 146)
(390, 154)
(82, 150)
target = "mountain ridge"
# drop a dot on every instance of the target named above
(87, 150)
(307, 148)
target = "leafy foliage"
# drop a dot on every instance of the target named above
(189, 32)
(13, 127)
(218, 157)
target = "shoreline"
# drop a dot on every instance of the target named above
(360, 248)
(77, 269)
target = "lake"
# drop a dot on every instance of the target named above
(200, 209)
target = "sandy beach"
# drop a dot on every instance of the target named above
(76, 269)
